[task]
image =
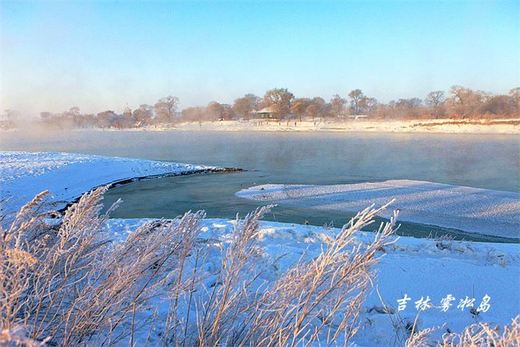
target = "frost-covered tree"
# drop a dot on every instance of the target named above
(246, 105)
(166, 109)
(279, 99)
(356, 96)
(143, 115)
(337, 105)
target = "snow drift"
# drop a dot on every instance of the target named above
(473, 210)
(68, 175)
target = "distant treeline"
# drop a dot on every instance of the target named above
(279, 103)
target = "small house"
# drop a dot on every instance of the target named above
(266, 112)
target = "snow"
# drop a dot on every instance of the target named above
(474, 210)
(447, 126)
(415, 267)
(68, 175)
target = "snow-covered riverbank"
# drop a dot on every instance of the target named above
(433, 126)
(418, 269)
(415, 268)
(68, 175)
(443, 126)
(473, 210)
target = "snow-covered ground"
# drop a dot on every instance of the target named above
(413, 268)
(472, 210)
(68, 175)
(446, 126)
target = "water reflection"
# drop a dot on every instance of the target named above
(486, 161)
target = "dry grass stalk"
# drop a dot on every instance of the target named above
(17, 336)
(68, 283)
(484, 335)
(322, 297)
(420, 338)
(475, 335)
(219, 317)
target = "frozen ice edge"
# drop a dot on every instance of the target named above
(416, 267)
(68, 175)
(471, 210)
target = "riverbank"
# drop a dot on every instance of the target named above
(433, 126)
(409, 267)
(67, 175)
(441, 126)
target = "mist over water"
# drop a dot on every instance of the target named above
(484, 161)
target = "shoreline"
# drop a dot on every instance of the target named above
(67, 176)
(124, 181)
(471, 210)
(434, 126)
(413, 126)
(416, 262)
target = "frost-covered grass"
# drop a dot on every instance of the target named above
(70, 283)
(158, 281)
(88, 280)
(416, 267)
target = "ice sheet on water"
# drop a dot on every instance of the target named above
(473, 210)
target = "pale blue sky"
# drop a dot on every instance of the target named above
(106, 54)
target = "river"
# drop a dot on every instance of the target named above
(485, 161)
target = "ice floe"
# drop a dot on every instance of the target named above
(474, 210)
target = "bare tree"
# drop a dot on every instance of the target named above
(515, 95)
(166, 108)
(299, 106)
(106, 119)
(192, 114)
(143, 115)
(228, 113)
(128, 119)
(280, 100)
(9, 118)
(337, 105)
(499, 105)
(368, 105)
(436, 100)
(215, 110)
(465, 102)
(408, 108)
(246, 105)
(315, 108)
(356, 97)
